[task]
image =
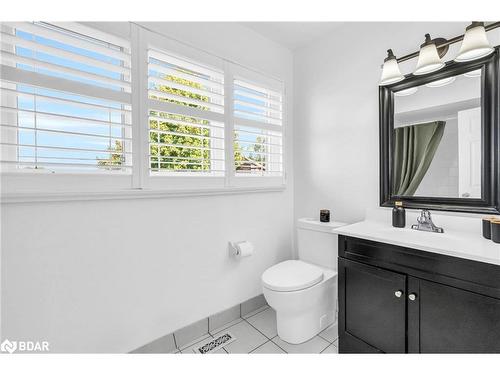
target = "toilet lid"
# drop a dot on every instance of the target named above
(291, 275)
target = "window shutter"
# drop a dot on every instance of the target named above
(258, 129)
(186, 116)
(65, 99)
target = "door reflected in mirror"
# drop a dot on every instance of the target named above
(437, 138)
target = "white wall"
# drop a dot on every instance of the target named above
(110, 276)
(336, 112)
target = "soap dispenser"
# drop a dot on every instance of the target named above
(398, 215)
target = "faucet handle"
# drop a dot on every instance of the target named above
(423, 216)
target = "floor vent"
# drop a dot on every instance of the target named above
(217, 343)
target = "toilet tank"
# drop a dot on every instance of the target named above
(316, 243)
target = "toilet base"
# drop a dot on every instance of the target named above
(296, 329)
(302, 314)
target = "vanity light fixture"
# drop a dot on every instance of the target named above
(428, 59)
(390, 70)
(441, 82)
(410, 91)
(475, 44)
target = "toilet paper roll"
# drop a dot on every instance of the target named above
(245, 249)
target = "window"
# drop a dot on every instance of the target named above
(65, 100)
(179, 118)
(258, 132)
(186, 124)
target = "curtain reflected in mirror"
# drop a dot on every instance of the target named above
(414, 150)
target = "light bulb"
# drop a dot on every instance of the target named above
(475, 44)
(390, 71)
(428, 58)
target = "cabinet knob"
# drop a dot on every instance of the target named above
(412, 296)
(398, 293)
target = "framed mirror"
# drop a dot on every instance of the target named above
(440, 139)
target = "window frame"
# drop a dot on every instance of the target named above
(243, 73)
(71, 186)
(147, 40)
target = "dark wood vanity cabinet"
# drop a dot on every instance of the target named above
(374, 319)
(399, 300)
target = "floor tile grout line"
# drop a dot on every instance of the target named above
(325, 348)
(223, 329)
(244, 320)
(278, 345)
(330, 326)
(324, 338)
(175, 341)
(217, 330)
(255, 312)
(271, 339)
(328, 341)
(262, 333)
(254, 349)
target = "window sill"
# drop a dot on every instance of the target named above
(131, 194)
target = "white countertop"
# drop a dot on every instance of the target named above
(461, 244)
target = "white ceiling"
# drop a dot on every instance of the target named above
(292, 35)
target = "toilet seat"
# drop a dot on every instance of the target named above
(292, 275)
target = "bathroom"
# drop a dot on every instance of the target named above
(140, 259)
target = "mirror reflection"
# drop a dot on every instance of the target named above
(437, 138)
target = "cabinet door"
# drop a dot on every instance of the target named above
(444, 319)
(372, 309)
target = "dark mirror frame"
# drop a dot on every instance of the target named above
(490, 139)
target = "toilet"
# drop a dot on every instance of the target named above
(304, 292)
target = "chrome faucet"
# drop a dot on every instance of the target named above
(424, 222)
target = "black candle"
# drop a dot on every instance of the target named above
(487, 228)
(495, 231)
(398, 215)
(324, 216)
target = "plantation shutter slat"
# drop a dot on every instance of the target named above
(15, 41)
(14, 59)
(65, 99)
(69, 38)
(70, 86)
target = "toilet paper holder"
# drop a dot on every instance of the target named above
(235, 248)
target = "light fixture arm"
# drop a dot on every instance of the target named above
(448, 42)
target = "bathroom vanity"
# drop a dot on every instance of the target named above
(405, 291)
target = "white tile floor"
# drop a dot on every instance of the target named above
(256, 333)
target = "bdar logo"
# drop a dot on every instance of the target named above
(24, 346)
(8, 346)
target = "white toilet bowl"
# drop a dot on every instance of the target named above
(304, 296)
